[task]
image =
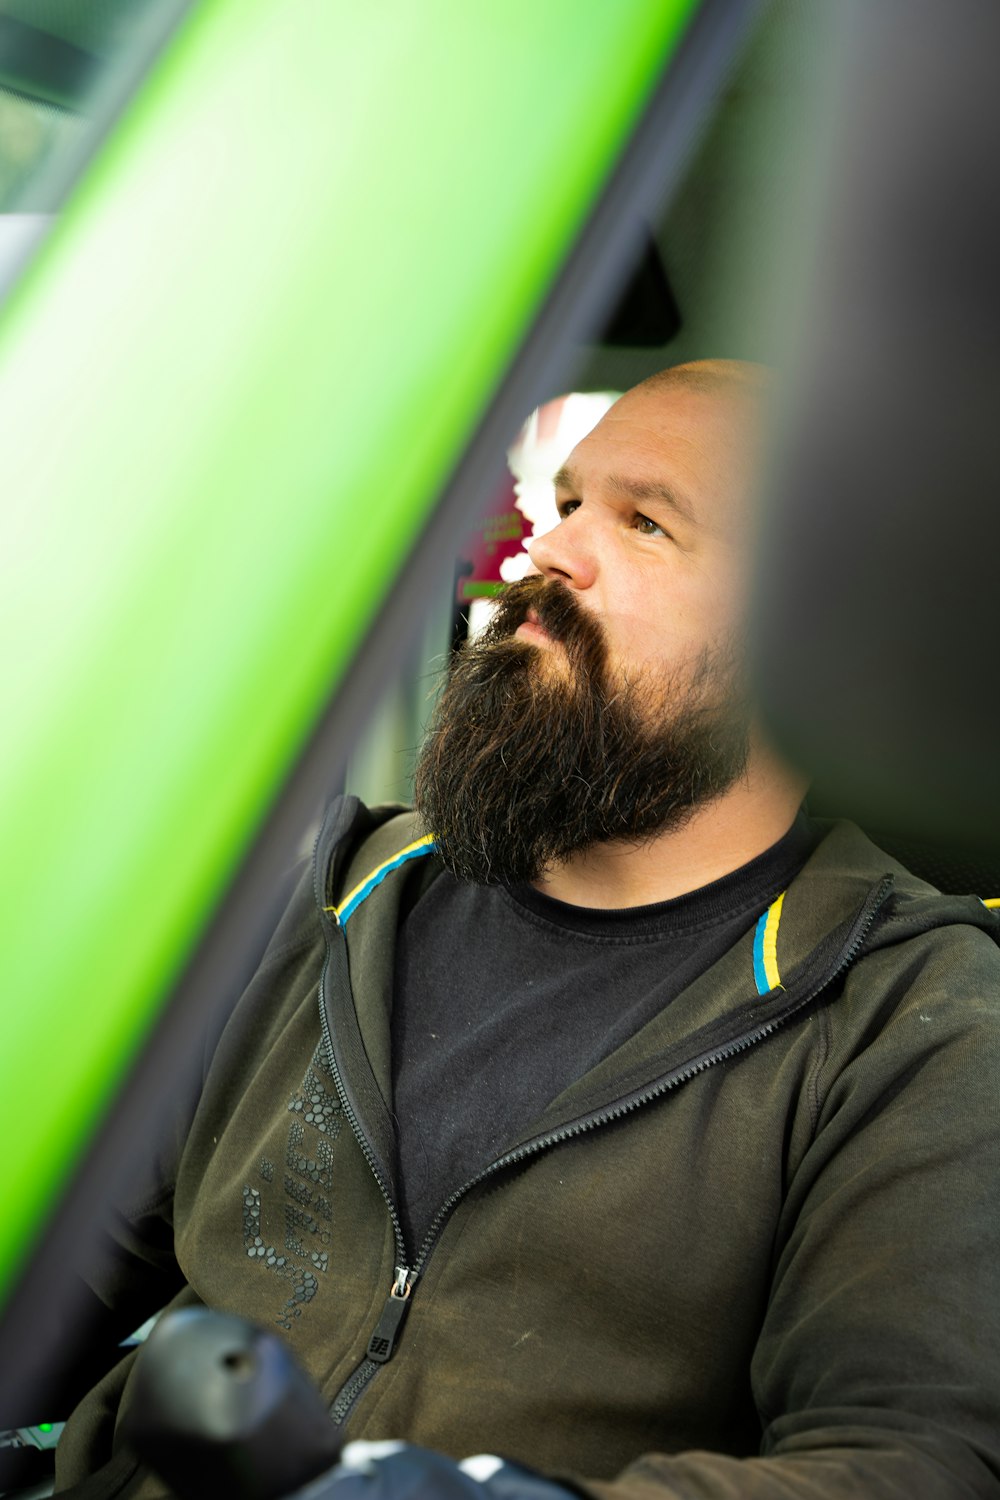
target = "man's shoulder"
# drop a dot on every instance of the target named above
(358, 845)
(922, 941)
(854, 913)
(844, 868)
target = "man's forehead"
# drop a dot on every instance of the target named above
(698, 447)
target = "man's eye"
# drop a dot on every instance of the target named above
(647, 527)
(566, 508)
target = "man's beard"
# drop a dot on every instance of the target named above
(528, 761)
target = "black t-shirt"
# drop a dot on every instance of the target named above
(504, 996)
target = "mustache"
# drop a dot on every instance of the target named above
(555, 608)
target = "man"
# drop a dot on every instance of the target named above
(606, 1114)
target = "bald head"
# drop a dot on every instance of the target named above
(712, 377)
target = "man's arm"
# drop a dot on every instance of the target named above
(877, 1370)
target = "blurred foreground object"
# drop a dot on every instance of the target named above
(878, 580)
(222, 1408)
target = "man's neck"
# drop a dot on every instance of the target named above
(718, 838)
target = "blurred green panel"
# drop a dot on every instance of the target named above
(232, 386)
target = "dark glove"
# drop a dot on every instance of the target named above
(400, 1471)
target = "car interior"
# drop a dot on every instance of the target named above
(711, 272)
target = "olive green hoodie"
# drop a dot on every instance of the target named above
(754, 1253)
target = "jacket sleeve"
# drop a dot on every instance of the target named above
(877, 1370)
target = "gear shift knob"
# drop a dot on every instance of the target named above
(221, 1408)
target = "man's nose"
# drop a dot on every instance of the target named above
(566, 552)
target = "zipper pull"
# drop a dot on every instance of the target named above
(388, 1328)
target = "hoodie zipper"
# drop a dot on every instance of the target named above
(386, 1334)
(382, 1343)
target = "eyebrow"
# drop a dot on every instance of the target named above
(641, 490)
